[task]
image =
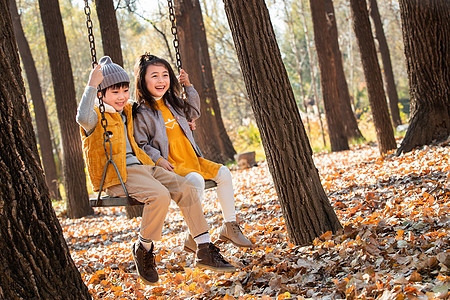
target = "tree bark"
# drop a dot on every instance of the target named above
(327, 65)
(305, 206)
(210, 135)
(66, 107)
(372, 72)
(109, 29)
(40, 112)
(349, 120)
(389, 81)
(426, 37)
(35, 261)
(111, 46)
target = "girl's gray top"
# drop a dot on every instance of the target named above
(150, 128)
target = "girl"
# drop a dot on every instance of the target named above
(161, 129)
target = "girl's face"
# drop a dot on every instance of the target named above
(157, 80)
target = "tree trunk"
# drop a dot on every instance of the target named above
(40, 112)
(372, 72)
(426, 37)
(210, 135)
(35, 260)
(336, 130)
(306, 208)
(349, 120)
(111, 47)
(389, 81)
(66, 107)
(109, 29)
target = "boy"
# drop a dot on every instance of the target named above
(144, 181)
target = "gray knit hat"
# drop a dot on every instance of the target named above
(112, 73)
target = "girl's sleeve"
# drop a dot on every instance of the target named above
(193, 99)
(86, 115)
(142, 136)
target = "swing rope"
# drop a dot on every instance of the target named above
(176, 43)
(103, 121)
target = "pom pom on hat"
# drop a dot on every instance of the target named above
(112, 73)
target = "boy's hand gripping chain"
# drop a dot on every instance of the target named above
(101, 107)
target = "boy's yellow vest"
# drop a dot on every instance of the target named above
(94, 154)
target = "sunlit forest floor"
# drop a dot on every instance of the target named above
(394, 243)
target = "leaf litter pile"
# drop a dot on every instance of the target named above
(395, 213)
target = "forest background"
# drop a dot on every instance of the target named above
(138, 19)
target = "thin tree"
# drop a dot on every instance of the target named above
(322, 39)
(305, 206)
(66, 107)
(40, 112)
(35, 260)
(298, 61)
(211, 136)
(111, 46)
(110, 30)
(372, 72)
(312, 65)
(389, 81)
(426, 37)
(348, 117)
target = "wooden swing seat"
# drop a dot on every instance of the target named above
(107, 201)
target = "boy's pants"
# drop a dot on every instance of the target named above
(155, 186)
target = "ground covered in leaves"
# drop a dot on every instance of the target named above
(394, 243)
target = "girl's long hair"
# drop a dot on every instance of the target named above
(173, 94)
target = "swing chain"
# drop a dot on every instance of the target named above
(87, 11)
(101, 106)
(176, 42)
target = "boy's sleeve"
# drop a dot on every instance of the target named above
(193, 99)
(86, 115)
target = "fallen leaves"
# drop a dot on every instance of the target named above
(394, 243)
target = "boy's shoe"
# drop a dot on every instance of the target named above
(209, 257)
(145, 263)
(230, 231)
(189, 244)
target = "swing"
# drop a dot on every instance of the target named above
(107, 201)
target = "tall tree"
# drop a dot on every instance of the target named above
(66, 106)
(305, 206)
(338, 136)
(35, 260)
(426, 37)
(389, 81)
(40, 112)
(372, 72)
(111, 46)
(110, 30)
(210, 135)
(349, 120)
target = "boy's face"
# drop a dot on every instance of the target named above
(117, 97)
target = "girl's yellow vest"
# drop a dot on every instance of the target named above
(94, 154)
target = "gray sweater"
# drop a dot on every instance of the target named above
(150, 129)
(87, 118)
